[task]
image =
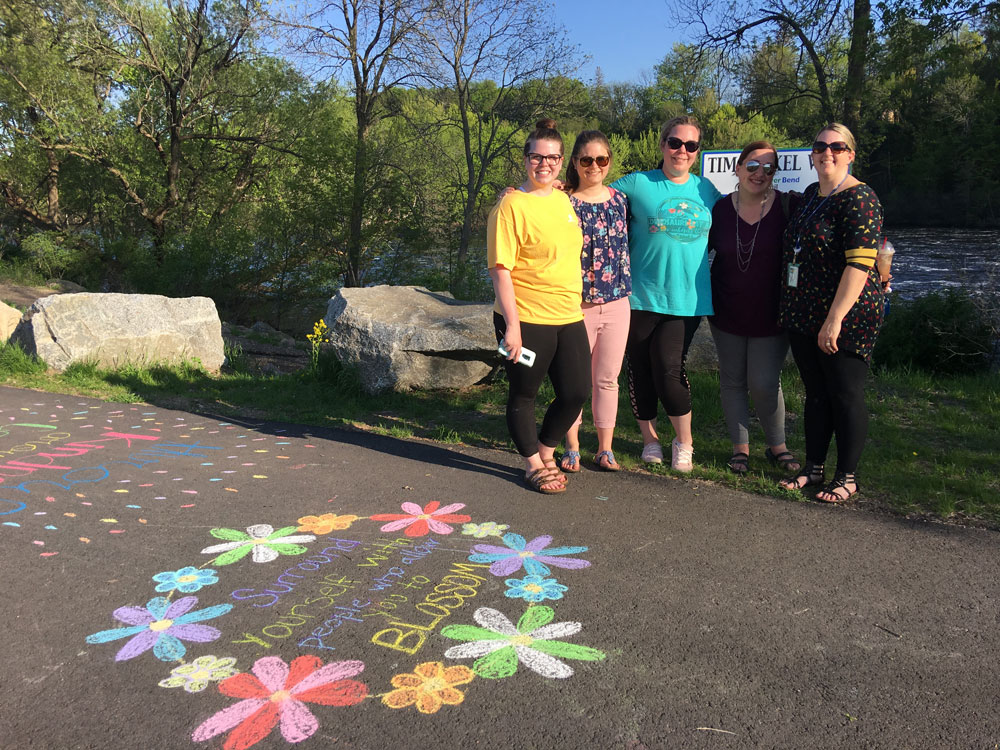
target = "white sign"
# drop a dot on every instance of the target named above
(795, 170)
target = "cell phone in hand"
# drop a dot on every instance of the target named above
(527, 357)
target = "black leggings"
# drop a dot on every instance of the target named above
(563, 352)
(835, 401)
(654, 361)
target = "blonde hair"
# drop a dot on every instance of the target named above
(841, 130)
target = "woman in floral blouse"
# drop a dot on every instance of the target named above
(606, 287)
(832, 306)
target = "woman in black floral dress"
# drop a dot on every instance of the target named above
(832, 306)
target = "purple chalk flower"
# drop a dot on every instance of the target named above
(535, 556)
(161, 625)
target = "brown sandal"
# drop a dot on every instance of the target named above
(537, 480)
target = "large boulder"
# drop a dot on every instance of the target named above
(403, 337)
(117, 329)
(9, 318)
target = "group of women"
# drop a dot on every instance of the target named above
(587, 275)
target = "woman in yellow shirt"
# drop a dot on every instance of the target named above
(533, 253)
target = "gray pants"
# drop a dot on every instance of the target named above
(752, 364)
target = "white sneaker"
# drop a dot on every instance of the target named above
(652, 453)
(681, 456)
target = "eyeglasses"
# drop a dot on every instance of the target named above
(753, 165)
(838, 148)
(550, 159)
(676, 143)
(586, 161)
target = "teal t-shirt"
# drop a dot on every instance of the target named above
(668, 240)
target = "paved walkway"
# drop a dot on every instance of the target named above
(163, 569)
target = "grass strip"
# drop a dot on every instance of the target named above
(933, 449)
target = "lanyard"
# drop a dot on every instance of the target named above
(802, 222)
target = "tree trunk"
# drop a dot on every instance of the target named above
(353, 272)
(861, 28)
(52, 182)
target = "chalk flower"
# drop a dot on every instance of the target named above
(261, 540)
(534, 589)
(195, 676)
(276, 694)
(161, 625)
(500, 645)
(419, 521)
(186, 580)
(535, 556)
(483, 530)
(326, 523)
(429, 686)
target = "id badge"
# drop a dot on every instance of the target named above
(793, 275)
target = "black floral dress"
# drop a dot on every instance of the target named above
(830, 232)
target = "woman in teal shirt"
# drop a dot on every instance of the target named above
(670, 213)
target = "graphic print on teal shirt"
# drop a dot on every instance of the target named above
(681, 218)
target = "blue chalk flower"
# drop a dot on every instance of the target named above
(186, 580)
(534, 588)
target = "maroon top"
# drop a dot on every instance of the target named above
(746, 301)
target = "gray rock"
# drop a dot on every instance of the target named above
(9, 318)
(403, 337)
(701, 354)
(118, 329)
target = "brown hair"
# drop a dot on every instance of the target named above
(841, 130)
(682, 120)
(758, 146)
(587, 136)
(545, 130)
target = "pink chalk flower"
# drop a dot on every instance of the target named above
(276, 693)
(419, 521)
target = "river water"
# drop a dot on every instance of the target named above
(930, 260)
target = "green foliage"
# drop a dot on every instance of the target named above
(943, 332)
(65, 255)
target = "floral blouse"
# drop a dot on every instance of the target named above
(828, 231)
(605, 258)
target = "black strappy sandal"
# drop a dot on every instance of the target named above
(739, 463)
(840, 481)
(812, 473)
(786, 460)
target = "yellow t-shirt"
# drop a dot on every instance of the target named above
(539, 240)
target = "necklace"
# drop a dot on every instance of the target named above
(744, 253)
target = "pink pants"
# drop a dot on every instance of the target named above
(607, 329)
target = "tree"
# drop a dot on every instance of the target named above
(492, 59)
(374, 41)
(170, 104)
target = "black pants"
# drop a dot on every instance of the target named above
(562, 352)
(654, 361)
(835, 401)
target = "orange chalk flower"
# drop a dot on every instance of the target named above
(326, 523)
(430, 686)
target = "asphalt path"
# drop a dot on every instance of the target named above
(179, 580)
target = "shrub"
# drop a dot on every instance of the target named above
(944, 332)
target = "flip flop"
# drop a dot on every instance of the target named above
(573, 460)
(611, 465)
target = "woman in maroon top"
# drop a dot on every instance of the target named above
(746, 234)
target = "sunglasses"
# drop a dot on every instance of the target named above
(838, 148)
(676, 143)
(753, 165)
(551, 159)
(586, 161)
